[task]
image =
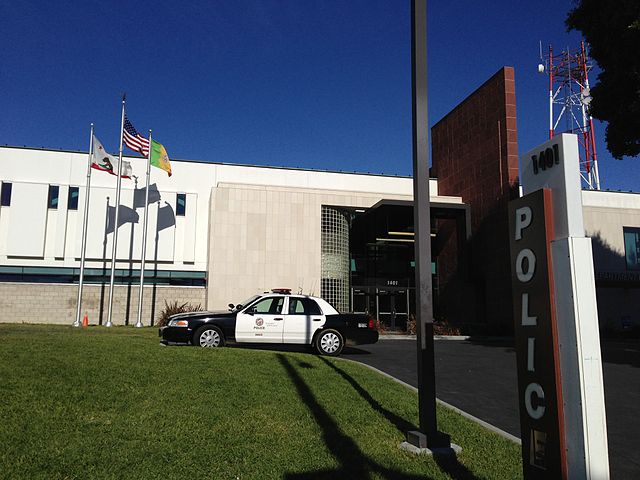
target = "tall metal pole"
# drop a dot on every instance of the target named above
(115, 222)
(144, 234)
(84, 231)
(422, 229)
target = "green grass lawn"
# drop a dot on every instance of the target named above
(113, 403)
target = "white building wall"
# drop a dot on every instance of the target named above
(618, 292)
(32, 235)
(605, 214)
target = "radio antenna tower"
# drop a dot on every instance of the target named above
(569, 99)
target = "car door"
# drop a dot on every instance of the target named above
(262, 322)
(303, 318)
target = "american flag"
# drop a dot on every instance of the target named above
(133, 139)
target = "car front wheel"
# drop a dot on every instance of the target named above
(208, 337)
(330, 343)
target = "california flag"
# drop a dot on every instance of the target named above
(107, 163)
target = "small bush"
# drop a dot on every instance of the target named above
(441, 327)
(445, 328)
(173, 308)
(381, 327)
(411, 325)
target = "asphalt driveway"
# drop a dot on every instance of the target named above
(479, 377)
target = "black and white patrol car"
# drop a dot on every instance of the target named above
(276, 317)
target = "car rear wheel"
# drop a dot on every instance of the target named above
(330, 343)
(208, 337)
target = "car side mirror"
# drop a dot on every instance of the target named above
(251, 311)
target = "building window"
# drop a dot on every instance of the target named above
(72, 201)
(5, 195)
(52, 202)
(181, 204)
(632, 247)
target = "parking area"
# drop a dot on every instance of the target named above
(479, 377)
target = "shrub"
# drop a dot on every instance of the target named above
(381, 327)
(445, 328)
(441, 327)
(173, 308)
(411, 325)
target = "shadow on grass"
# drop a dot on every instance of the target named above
(400, 423)
(451, 465)
(447, 463)
(353, 462)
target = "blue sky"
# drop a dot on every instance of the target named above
(317, 84)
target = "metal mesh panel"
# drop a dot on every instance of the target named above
(335, 258)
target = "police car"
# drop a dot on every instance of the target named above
(275, 317)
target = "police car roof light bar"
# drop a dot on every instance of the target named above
(285, 291)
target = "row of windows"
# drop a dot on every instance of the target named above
(54, 194)
(53, 198)
(101, 276)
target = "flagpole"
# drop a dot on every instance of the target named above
(144, 235)
(84, 231)
(115, 222)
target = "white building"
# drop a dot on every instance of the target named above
(217, 233)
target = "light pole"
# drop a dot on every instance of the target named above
(428, 436)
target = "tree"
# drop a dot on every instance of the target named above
(612, 29)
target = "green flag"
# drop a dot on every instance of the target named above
(159, 157)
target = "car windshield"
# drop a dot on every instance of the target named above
(248, 301)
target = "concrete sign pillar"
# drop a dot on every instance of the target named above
(580, 411)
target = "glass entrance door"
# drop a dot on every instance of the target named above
(401, 306)
(385, 310)
(389, 306)
(393, 309)
(360, 301)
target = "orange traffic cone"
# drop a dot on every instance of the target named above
(85, 321)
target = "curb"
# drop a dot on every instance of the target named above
(451, 337)
(386, 336)
(398, 336)
(468, 416)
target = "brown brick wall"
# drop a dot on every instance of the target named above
(51, 303)
(475, 156)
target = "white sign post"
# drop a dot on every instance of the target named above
(555, 165)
